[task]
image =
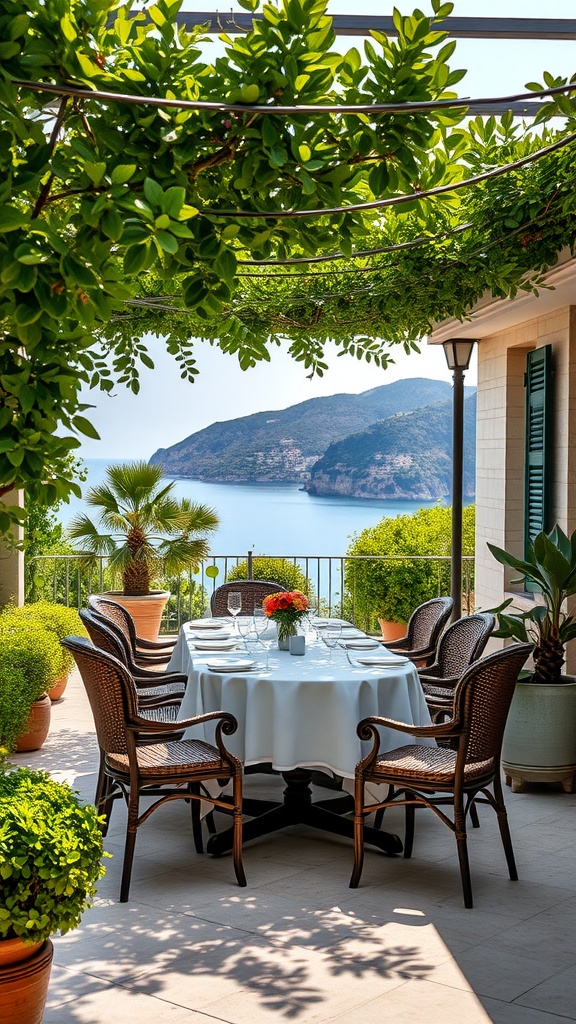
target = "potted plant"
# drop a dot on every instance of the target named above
(540, 737)
(50, 860)
(62, 621)
(145, 532)
(30, 660)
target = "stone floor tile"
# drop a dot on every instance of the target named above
(490, 974)
(417, 1002)
(500, 1012)
(555, 995)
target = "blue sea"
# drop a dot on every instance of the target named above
(271, 519)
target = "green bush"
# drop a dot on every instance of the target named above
(30, 661)
(391, 589)
(275, 570)
(50, 855)
(59, 620)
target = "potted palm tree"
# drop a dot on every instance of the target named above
(540, 737)
(50, 860)
(146, 533)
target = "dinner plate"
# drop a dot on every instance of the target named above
(214, 645)
(205, 624)
(210, 636)
(227, 665)
(383, 660)
(321, 623)
(360, 643)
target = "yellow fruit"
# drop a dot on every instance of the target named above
(249, 93)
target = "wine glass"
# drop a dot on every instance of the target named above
(331, 636)
(234, 605)
(261, 622)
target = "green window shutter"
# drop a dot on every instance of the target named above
(538, 441)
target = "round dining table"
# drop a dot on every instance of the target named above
(298, 715)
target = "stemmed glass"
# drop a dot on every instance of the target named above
(235, 605)
(331, 637)
(261, 621)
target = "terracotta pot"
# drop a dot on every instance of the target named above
(56, 691)
(392, 630)
(145, 609)
(37, 726)
(24, 983)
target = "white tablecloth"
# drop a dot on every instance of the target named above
(303, 712)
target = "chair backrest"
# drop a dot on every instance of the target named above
(462, 643)
(427, 622)
(110, 690)
(253, 593)
(108, 638)
(116, 613)
(482, 701)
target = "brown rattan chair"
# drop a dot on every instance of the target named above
(144, 652)
(458, 774)
(253, 593)
(149, 684)
(423, 631)
(166, 770)
(460, 645)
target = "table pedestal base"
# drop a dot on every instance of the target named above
(298, 809)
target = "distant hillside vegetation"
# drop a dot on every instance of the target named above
(283, 445)
(404, 456)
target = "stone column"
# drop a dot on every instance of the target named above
(11, 559)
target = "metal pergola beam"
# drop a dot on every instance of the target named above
(362, 25)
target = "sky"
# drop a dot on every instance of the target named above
(168, 409)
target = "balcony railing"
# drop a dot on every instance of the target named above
(334, 580)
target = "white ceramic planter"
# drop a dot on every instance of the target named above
(540, 736)
(145, 609)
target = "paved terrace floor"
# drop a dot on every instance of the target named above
(297, 944)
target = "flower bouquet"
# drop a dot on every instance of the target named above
(286, 608)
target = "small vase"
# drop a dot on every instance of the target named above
(285, 631)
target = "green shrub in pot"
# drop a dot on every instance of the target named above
(58, 619)
(30, 659)
(50, 855)
(275, 570)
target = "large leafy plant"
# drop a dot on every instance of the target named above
(50, 855)
(148, 530)
(550, 564)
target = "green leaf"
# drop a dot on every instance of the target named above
(122, 173)
(95, 171)
(11, 218)
(135, 259)
(166, 241)
(84, 426)
(153, 192)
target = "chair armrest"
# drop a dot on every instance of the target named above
(159, 678)
(396, 645)
(159, 701)
(229, 723)
(368, 726)
(155, 645)
(448, 682)
(429, 670)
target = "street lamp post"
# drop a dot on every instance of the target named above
(458, 352)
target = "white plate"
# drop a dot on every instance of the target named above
(360, 643)
(205, 624)
(214, 645)
(210, 636)
(321, 623)
(227, 665)
(383, 660)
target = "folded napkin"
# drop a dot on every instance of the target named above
(205, 624)
(210, 635)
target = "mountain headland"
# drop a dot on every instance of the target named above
(392, 441)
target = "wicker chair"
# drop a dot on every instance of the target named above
(144, 652)
(167, 770)
(418, 775)
(253, 593)
(423, 631)
(149, 684)
(461, 644)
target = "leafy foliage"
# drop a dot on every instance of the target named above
(550, 563)
(31, 660)
(148, 530)
(50, 855)
(274, 570)
(112, 211)
(390, 588)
